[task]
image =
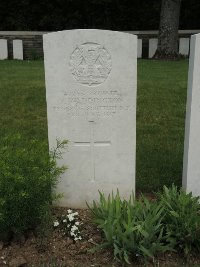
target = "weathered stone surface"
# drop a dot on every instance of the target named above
(18, 49)
(191, 162)
(91, 101)
(3, 49)
(19, 261)
(153, 44)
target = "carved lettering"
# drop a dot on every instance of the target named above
(98, 103)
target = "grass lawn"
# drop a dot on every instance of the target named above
(160, 114)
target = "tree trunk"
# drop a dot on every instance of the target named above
(168, 30)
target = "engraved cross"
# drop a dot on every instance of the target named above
(92, 144)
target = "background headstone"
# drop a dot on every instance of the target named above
(139, 48)
(18, 49)
(3, 49)
(153, 44)
(191, 162)
(91, 101)
(184, 46)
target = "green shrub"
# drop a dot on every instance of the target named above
(181, 218)
(132, 228)
(28, 176)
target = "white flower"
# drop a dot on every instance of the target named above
(70, 217)
(77, 223)
(56, 223)
(75, 213)
(69, 211)
(64, 220)
(74, 228)
(77, 238)
(72, 233)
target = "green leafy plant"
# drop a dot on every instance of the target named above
(132, 228)
(28, 177)
(181, 218)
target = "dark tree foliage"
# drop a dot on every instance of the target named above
(190, 12)
(51, 15)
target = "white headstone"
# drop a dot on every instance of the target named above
(191, 162)
(18, 49)
(184, 46)
(91, 101)
(3, 49)
(139, 48)
(153, 44)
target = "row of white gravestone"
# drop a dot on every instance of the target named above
(91, 84)
(184, 46)
(17, 49)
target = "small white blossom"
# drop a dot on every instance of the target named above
(72, 233)
(77, 238)
(64, 220)
(74, 228)
(69, 211)
(56, 223)
(70, 217)
(77, 223)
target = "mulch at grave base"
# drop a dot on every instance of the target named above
(71, 254)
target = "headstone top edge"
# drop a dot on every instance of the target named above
(17, 40)
(49, 35)
(196, 35)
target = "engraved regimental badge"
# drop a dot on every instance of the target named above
(90, 64)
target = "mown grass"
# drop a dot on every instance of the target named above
(22, 99)
(161, 103)
(162, 88)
